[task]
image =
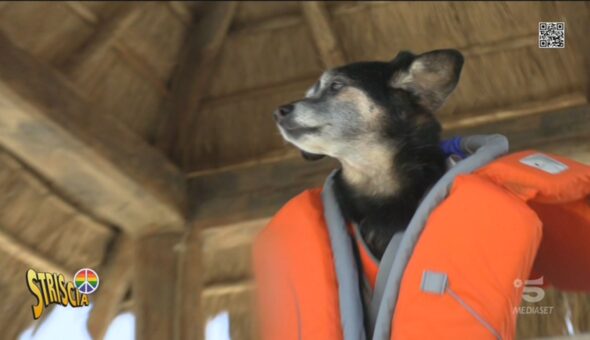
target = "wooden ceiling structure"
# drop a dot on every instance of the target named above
(81, 89)
(136, 138)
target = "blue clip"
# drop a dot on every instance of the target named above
(453, 147)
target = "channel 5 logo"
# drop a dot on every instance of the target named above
(532, 291)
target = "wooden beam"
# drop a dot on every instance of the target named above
(318, 20)
(155, 285)
(141, 67)
(181, 11)
(253, 192)
(195, 68)
(91, 158)
(236, 299)
(116, 280)
(136, 62)
(104, 36)
(81, 10)
(511, 43)
(226, 254)
(274, 23)
(258, 191)
(285, 21)
(12, 247)
(529, 131)
(517, 111)
(228, 288)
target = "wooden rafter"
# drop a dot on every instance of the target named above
(522, 110)
(81, 10)
(257, 191)
(274, 23)
(107, 170)
(103, 37)
(14, 248)
(116, 275)
(181, 11)
(228, 288)
(108, 36)
(141, 67)
(195, 68)
(318, 20)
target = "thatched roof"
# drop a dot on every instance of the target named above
(127, 127)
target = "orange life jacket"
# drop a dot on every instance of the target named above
(457, 272)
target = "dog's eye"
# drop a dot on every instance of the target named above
(336, 86)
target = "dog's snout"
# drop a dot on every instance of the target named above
(286, 109)
(283, 111)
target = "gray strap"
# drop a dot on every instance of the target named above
(438, 283)
(384, 269)
(488, 148)
(351, 308)
(474, 314)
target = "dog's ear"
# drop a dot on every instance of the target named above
(403, 58)
(311, 156)
(431, 76)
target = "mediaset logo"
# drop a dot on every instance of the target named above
(53, 288)
(532, 292)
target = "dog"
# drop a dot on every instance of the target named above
(377, 119)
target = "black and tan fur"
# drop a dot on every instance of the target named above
(377, 119)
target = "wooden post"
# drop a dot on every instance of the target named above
(190, 286)
(167, 286)
(155, 285)
(115, 281)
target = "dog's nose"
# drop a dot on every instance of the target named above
(283, 111)
(286, 109)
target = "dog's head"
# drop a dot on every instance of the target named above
(369, 103)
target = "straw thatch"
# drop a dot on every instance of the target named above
(179, 97)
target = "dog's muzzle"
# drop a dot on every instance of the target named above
(283, 111)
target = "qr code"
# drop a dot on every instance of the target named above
(551, 34)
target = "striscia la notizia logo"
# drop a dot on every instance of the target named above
(53, 288)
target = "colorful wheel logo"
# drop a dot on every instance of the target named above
(86, 281)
